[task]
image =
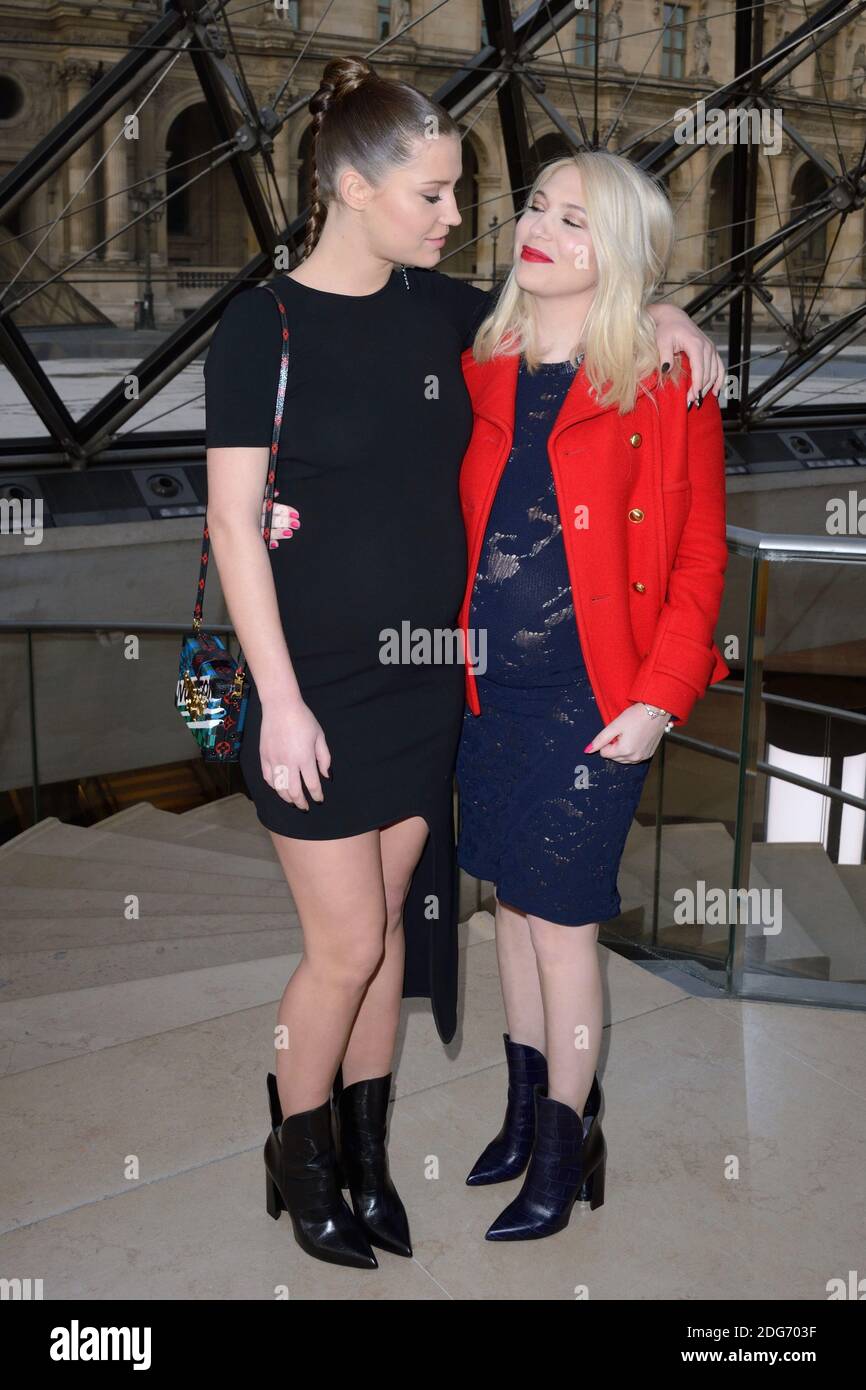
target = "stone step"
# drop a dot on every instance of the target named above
(697, 851)
(853, 878)
(29, 973)
(707, 850)
(28, 837)
(69, 933)
(22, 903)
(235, 812)
(95, 845)
(637, 869)
(147, 822)
(47, 1027)
(36, 870)
(814, 890)
(70, 856)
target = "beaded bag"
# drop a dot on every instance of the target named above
(212, 688)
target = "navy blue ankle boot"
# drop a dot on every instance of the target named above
(566, 1165)
(507, 1154)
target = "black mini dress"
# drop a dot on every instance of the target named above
(375, 424)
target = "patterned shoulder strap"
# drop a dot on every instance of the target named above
(272, 474)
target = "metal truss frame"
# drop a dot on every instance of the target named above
(505, 67)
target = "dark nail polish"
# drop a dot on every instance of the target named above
(666, 366)
(689, 406)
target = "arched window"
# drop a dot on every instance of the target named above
(206, 223)
(806, 261)
(465, 262)
(546, 149)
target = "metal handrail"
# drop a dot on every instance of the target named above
(87, 625)
(794, 702)
(762, 548)
(772, 546)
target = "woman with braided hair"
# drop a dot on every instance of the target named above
(355, 716)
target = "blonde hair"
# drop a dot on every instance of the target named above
(632, 227)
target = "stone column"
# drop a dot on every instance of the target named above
(117, 165)
(78, 74)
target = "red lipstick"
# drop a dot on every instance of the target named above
(530, 253)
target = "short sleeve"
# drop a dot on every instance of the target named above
(473, 306)
(242, 371)
(465, 304)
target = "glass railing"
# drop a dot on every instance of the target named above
(750, 834)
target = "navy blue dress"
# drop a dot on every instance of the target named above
(544, 821)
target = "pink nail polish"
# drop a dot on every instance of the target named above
(586, 749)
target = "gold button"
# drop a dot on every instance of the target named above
(641, 588)
(635, 514)
(635, 440)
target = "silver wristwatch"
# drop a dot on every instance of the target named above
(654, 713)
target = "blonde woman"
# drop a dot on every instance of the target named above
(593, 495)
(349, 756)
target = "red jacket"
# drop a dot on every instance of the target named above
(642, 502)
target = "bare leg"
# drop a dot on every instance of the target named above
(337, 888)
(573, 1008)
(519, 977)
(370, 1051)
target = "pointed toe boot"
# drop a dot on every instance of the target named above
(301, 1178)
(361, 1118)
(566, 1165)
(508, 1152)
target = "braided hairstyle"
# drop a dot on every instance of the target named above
(368, 122)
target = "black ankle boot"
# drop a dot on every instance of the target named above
(567, 1165)
(361, 1117)
(507, 1154)
(301, 1178)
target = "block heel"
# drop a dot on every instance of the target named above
(301, 1178)
(566, 1165)
(273, 1200)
